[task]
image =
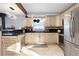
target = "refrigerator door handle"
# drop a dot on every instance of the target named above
(70, 28)
(73, 27)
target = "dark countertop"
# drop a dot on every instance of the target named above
(26, 30)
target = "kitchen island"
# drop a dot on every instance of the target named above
(11, 45)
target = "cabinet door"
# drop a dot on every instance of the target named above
(28, 38)
(9, 46)
(28, 22)
(32, 38)
(51, 38)
(24, 23)
(47, 23)
(42, 38)
(36, 38)
(50, 21)
(58, 21)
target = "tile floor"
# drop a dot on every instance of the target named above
(50, 50)
(33, 50)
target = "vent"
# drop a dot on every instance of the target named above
(11, 8)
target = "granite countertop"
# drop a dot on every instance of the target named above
(26, 30)
(56, 27)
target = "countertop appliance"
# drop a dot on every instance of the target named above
(71, 33)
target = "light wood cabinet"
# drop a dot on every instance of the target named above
(49, 21)
(31, 38)
(28, 38)
(41, 38)
(27, 22)
(51, 38)
(8, 45)
(52, 21)
(34, 38)
(58, 20)
(46, 21)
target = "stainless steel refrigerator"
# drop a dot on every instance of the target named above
(71, 33)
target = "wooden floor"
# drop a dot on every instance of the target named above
(49, 50)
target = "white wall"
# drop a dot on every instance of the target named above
(18, 23)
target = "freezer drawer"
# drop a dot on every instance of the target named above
(70, 49)
(67, 48)
(75, 50)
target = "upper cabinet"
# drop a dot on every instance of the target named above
(58, 20)
(49, 21)
(28, 22)
(53, 20)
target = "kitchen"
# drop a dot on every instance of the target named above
(29, 30)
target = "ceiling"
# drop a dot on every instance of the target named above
(45, 8)
(5, 8)
(35, 9)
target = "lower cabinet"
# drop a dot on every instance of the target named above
(34, 38)
(41, 38)
(30, 39)
(7, 43)
(51, 38)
